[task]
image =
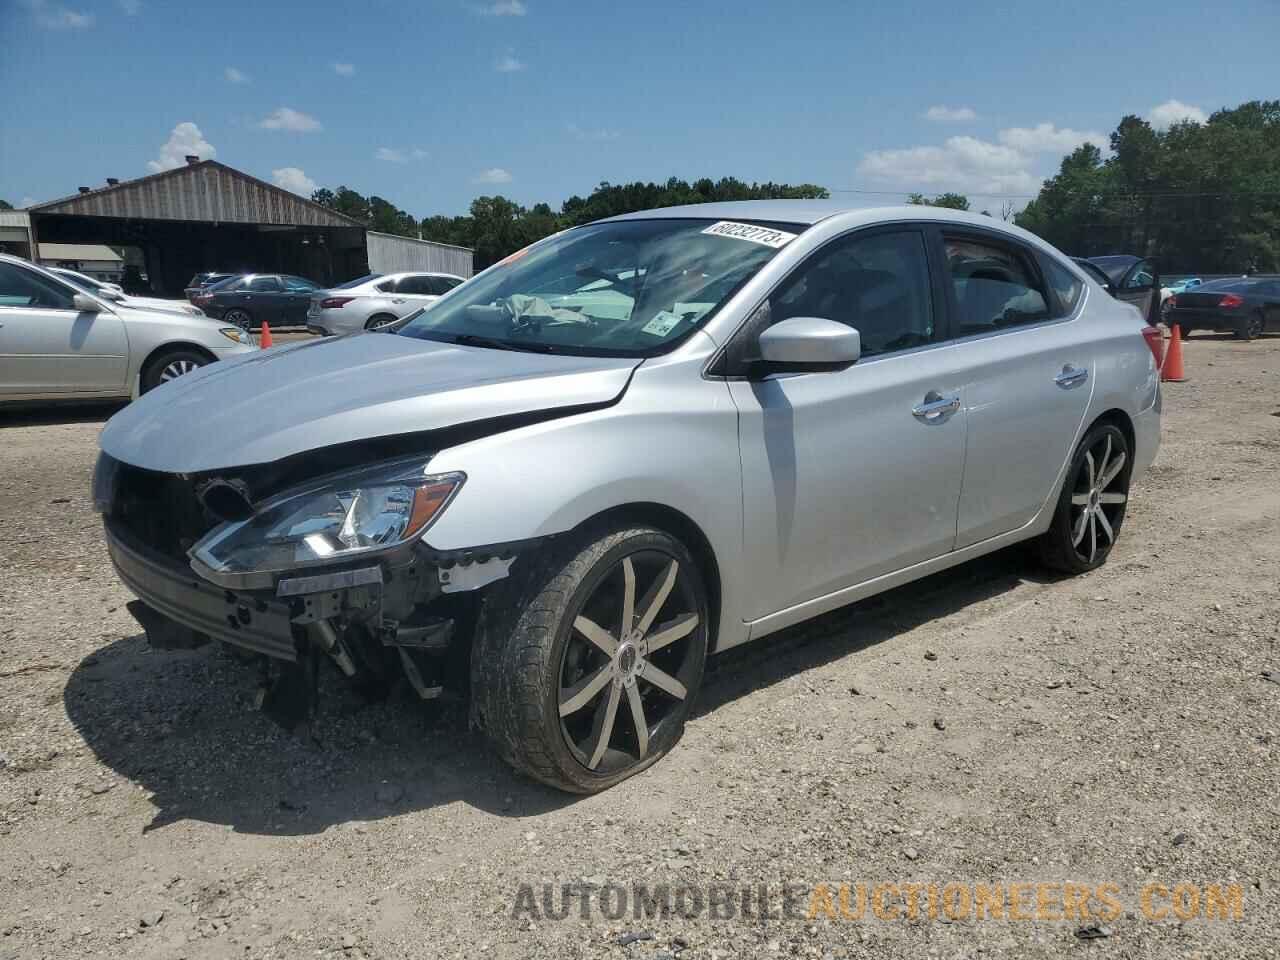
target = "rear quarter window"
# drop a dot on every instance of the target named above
(1064, 286)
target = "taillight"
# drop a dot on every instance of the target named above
(201, 299)
(1231, 300)
(331, 302)
(1156, 342)
(1172, 301)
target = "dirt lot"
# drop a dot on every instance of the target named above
(986, 726)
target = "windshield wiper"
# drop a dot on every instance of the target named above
(476, 340)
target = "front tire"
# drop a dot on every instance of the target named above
(587, 661)
(1091, 506)
(169, 366)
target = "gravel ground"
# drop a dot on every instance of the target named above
(989, 725)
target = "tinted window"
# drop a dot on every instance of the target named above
(418, 285)
(1142, 277)
(1066, 285)
(877, 284)
(298, 285)
(23, 288)
(387, 287)
(995, 287)
(265, 284)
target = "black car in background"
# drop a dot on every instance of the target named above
(1243, 306)
(1126, 277)
(201, 281)
(249, 300)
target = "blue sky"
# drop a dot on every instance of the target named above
(432, 103)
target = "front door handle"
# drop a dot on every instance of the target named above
(935, 408)
(1071, 376)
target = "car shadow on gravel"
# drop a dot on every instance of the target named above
(182, 726)
(46, 414)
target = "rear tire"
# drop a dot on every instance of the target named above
(1250, 327)
(379, 320)
(170, 365)
(241, 318)
(1092, 503)
(566, 706)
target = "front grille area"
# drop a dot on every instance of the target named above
(159, 510)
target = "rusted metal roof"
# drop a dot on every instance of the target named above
(207, 191)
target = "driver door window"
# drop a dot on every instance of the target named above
(25, 288)
(877, 284)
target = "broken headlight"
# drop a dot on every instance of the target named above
(345, 516)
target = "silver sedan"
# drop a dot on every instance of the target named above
(59, 341)
(375, 301)
(630, 446)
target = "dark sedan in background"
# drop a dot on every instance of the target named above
(249, 300)
(1248, 308)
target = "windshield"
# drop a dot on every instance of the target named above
(629, 288)
(357, 282)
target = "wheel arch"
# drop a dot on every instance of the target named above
(173, 346)
(1121, 420)
(684, 528)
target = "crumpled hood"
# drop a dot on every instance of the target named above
(276, 403)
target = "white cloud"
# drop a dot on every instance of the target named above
(185, 139)
(493, 175)
(391, 155)
(502, 8)
(293, 180)
(131, 8)
(235, 76)
(286, 118)
(55, 17)
(600, 133)
(419, 154)
(1046, 138)
(1165, 115)
(963, 164)
(941, 114)
(345, 69)
(508, 64)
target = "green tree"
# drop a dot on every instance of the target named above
(5, 205)
(953, 201)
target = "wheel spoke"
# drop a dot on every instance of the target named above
(603, 727)
(671, 631)
(597, 634)
(1079, 499)
(637, 715)
(1093, 475)
(1106, 458)
(1106, 525)
(1113, 471)
(1078, 533)
(663, 681)
(580, 694)
(628, 596)
(1093, 535)
(1113, 498)
(656, 597)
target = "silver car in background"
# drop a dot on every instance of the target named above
(802, 405)
(59, 341)
(115, 293)
(375, 301)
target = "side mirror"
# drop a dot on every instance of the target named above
(809, 344)
(85, 303)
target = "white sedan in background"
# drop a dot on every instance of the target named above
(59, 341)
(115, 293)
(375, 301)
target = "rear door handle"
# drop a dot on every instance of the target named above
(935, 408)
(1071, 376)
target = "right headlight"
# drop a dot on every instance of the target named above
(348, 516)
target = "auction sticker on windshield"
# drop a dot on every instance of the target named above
(750, 232)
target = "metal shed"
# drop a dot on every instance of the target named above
(391, 254)
(207, 216)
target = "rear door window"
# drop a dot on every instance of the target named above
(265, 285)
(995, 286)
(418, 285)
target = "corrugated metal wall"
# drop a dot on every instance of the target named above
(392, 254)
(206, 191)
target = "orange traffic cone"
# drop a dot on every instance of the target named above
(264, 339)
(1172, 369)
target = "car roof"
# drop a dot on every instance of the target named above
(806, 212)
